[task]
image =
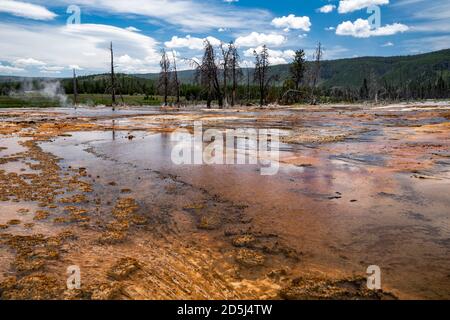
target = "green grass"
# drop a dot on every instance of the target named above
(103, 99)
(36, 101)
(27, 102)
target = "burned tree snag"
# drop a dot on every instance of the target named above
(261, 73)
(164, 76)
(113, 80)
(208, 73)
(235, 72)
(75, 90)
(315, 73)
(176, 82)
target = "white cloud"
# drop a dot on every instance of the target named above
(346, 6)
(433, 16)
(191, 15)
(131, 28)
(51, 69)
(335, 52)
(189, 42)
(64, 46)
(76, 67)
(255, 39)
(127, 64)
(292, 22)
(361, 29)
(327, 8)
(26, 62)
(275, 56)
(388, 44)
(26, 10)
(10, 69)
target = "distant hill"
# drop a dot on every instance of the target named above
(20, 79)
(336, 73)
(351, 72)
(396, 70)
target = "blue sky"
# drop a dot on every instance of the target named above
(37, 41)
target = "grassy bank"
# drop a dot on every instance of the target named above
(37, 101)
(27, 102)
(103, 99)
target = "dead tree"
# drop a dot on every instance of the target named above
(248, 82)
(75, 91)
(235, 71)
(113, 86)
(113, 79)
(261, 76)
(226, 61)
(208, 73)
(315, 72)
(373, 86)
(176, 82)
(164, 76)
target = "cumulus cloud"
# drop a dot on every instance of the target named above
(327, 8)
(275, 56)
(346, 6)
(361, 29)
(189, 42)
(292, 22)
(128, 64)
(75, 67)
(85, 45)
(255, 39)
(26, 10)
(26, 62)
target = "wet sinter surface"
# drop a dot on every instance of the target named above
(357, 186)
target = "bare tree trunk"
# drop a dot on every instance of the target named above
(208, 72)
(234, 68)
(225, 63)
(233, 93)
(164, 76)
(75, 91)
(113, 81)
(176, 82)
(261, 70)
(248, 84)
(316, 71)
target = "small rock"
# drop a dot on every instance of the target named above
(244, 241)
(249, 258)
(123, 268)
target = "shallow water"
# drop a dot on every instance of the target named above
(377, 196)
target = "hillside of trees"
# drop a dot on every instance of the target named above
(219, 77)
(352, 71)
